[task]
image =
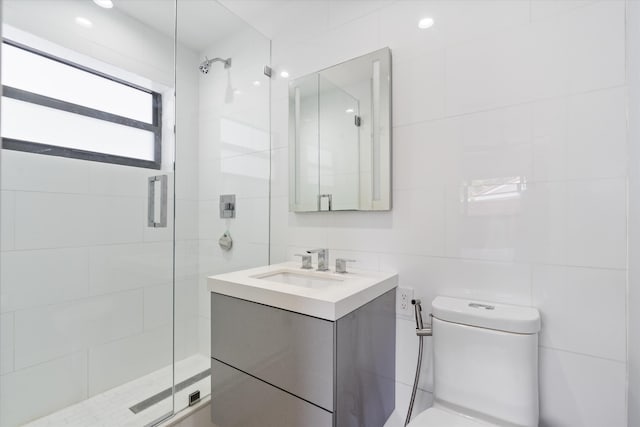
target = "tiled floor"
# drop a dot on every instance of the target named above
(111, 408)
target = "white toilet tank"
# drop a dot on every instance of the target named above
(486, 360)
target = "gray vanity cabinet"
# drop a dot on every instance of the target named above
(273, 367)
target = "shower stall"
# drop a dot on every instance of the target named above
(117, 143)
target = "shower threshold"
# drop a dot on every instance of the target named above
(112, 407)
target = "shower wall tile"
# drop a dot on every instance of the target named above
(571, 326)
(117, 180)
(42, 277)
(7, 220)
(116, 268)
(47, 220)
(42, 389)
(55, 174)
(6, 343)
(79, 265)
(143, 353)
(159, 303)
(45, 333)
(158, 306)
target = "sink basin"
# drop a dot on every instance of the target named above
(323, 294)
(304, 279)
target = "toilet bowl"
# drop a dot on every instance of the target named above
(485, 365)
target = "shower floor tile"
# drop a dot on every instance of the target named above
(111, 408)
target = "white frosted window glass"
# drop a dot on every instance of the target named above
(35, 73)
(34, 123)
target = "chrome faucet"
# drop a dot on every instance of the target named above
(323, 258)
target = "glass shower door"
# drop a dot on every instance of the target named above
(87, 213)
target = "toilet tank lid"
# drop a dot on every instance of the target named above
(482, 314)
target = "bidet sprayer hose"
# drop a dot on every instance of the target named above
(421, 331)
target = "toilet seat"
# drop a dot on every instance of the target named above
(437, 417)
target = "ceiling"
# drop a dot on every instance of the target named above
(200, 22)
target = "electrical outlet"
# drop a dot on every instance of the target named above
(403, 301)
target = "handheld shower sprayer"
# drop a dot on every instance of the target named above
(421, 331)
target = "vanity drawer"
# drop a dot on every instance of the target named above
(239, 400)
(289, 350)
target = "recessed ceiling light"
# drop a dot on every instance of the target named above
(349, 110)
(284, 74)
(83, 22)
(425, 23)
(256, 83)
(107, 4)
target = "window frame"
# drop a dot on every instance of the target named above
(54, 150)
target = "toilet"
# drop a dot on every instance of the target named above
(485, 358)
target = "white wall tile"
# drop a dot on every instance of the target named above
(546, 222)
(596, 143)
(119, 219)
(6, 343)
(596, 230)
(425, 153)
(488, 73)
(570, 298)
(158, 306)
(507, 283)
(115, 268)
(45, 220)
(597, 46)
(35, 278)
(35, 172)
(7, 220)
(118, 180)
(42, 389)
(45, 333)
(52, 220)
(143, 353)
(407, 345)
(581, 390)
(545, 9)
(550, 128)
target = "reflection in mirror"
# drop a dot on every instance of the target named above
(340, 136)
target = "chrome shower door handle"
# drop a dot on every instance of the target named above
(151, 203)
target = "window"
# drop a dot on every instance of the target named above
(56, 107)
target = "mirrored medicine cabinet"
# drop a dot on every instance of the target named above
(340, 137)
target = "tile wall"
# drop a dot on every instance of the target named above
(86, 295)
(525, 97)
(234, 158)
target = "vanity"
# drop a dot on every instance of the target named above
(300, 348)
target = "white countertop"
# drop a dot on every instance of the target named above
(355, 289)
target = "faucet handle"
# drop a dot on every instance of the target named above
(341, 264)
(306, 261)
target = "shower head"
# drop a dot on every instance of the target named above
(206, 64)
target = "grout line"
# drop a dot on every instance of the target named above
(621, 362)
(507, 106)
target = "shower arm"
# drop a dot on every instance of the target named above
(227, 62)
